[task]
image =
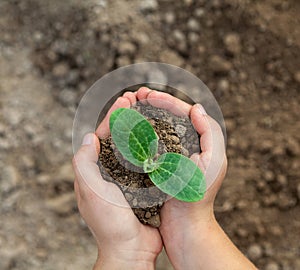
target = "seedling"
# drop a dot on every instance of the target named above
(137, 141)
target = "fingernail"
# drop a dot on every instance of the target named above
(88, 139)
(201, 109)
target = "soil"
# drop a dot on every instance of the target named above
(51, 51)
(143, 197)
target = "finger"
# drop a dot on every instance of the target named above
(142, 94)
(168, 102)
(85, 161)
(103, 129)
(212, 144)
(131, 96)
(91, 185)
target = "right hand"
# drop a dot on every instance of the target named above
(181, 221)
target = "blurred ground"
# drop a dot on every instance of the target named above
(247, 52)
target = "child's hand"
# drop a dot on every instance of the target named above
(192, 237)
(123, 242)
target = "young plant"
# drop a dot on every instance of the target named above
(172, 173)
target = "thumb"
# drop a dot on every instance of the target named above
(90, 182)
(85, 162)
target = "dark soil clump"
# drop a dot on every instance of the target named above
(176, 134)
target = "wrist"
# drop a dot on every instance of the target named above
(125, 259)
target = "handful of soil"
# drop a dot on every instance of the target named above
(176, 134)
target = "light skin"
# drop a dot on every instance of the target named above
(189, 231)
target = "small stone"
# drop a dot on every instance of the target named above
(128, 196)
(223, 85)
(127, 48)
(60, 70)
(9, 179)
(293, 147)
(67, 97)
(63, 204)
(148, 5)
(179, 36)
(255, 252)
(268, 176)
(219, 64)
(242, 232)
(297, 76)
(66, 173)
(143, 204)
(272, 266)
(73, 77)
(193, 37)
(175, 139)
(233, 43)
(193, 25)
(170, 17)
(154, 192)
(199, 12)
(188, 2)
(123, 61)
(180, 130)
(147, 215)
(282, 180)
(276, 230)
(134, 202)
(286, 201)
(154, 221)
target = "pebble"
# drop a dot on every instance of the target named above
(199, 12)
(147, 215)
(286, 201)
(268, 176)
(180, 130)
(154, 192)
(60, 70)
(67, 97)
(9, 178)
(175, 139)
(128, 196)
(148, 5)
(223, 85)
(219, 64)
(123, 61)
(170, 17)
(66, 173)
(232, 43)
(179, 35)
(127, 48)
(293, 147)
(73, 77)
(193, 37)
(272, 266)
(63, 204)
(134, 202)
(193, 25)
(255, 252)
(282, 180)
(154, 221)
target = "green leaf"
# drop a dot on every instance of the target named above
(133, 135)
(179, 177)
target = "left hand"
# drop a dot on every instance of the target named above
(123, 242)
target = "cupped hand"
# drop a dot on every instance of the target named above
(123, 242)
(180, 221)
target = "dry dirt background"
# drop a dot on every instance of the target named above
(51, 51)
